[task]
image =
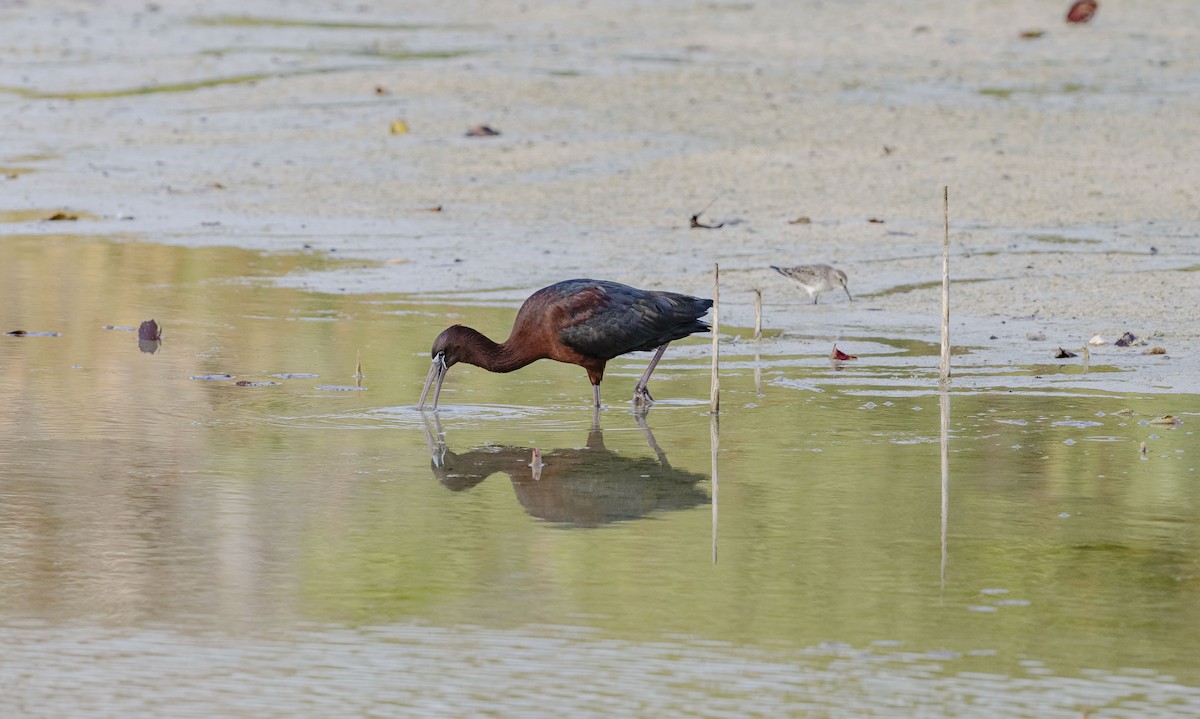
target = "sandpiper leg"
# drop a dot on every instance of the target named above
(641, 395)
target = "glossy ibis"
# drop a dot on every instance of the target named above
(815, 279)
(581, 322)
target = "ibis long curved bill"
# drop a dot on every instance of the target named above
(438, 371)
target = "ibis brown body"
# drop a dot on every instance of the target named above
(581, 322)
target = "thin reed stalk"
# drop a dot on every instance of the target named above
(715, 391)
(758, 314)
(945, 365)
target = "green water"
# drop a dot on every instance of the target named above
(153, 523)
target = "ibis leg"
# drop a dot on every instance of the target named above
(641, 395)
(596, 396)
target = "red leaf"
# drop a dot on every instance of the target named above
(1082, 11)
(837, 354)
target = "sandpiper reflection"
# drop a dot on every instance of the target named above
(585, 487)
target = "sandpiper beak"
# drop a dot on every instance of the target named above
(436, 370)
(847, 289)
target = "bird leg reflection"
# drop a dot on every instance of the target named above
(641, 422)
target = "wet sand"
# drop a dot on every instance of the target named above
(1071, 157)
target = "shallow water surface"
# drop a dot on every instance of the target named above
(173, 543)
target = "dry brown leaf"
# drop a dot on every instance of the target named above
(1082, 11)
(837, 354)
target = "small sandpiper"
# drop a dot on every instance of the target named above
(815, 279)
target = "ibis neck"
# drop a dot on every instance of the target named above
(480, 351)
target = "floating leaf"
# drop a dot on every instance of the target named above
(482, 131)
(149, 331)
(248, 383)
(1097, 340)
(398, 261)
(435, 208)
(399, 127)
(1032, 34)
(1082, 11)
(1156, 351)
(1165, 419)
(62, 217)
(1064, 354)
(211, 377)
(1126, 340)
(381, 90)
(875, 220)
(802, 220)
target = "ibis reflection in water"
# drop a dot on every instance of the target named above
(581, 322)
(585, 487)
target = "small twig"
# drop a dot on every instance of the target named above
(696, 223)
